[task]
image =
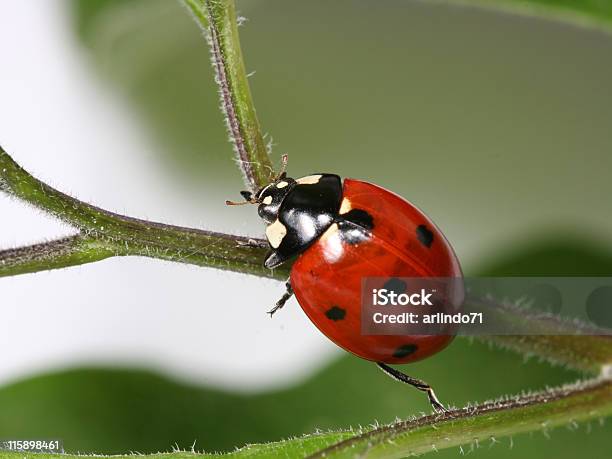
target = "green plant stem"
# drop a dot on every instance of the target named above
(584, 353)
(103, 234)
(477, 424)
(559, 341)
(218, 20)
(60, 253)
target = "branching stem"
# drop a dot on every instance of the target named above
(103, 234)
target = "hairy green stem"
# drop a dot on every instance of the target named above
(584, 353)
(558, 340)
(60, 253)
(104, 233)
(474, 425)
(218, 20)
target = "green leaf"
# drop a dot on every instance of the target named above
(291, 448)
(586, 13)
(475, 424)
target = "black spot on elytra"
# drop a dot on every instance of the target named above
(424, 235)
(359, 217)
(405, 350)
(395, 285)
(599, 306)
(355, 226)
(335, 313)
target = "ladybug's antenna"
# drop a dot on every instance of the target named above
(241, 203)
(248, 196)
(283, 169)
(248, 199)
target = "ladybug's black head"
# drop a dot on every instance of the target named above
(268, 198)
(271, 196)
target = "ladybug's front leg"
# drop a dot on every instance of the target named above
(420, 385)
(280, 303)
(252, 243)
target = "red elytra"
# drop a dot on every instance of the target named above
(404, 243)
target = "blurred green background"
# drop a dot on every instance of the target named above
(497, 125)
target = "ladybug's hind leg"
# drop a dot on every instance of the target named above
(280, 303)
(420, 385)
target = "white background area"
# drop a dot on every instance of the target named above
(64, 125)
(539, 168)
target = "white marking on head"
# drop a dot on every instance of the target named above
(275, 233)
(345, 207)
(282, 184)
(264, 189)
(309, 179)
(267, 200)
(333, 244)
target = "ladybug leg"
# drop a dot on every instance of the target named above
(280, 303)
(420, 385)
(252, 243)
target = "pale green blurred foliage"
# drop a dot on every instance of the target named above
(497, 126)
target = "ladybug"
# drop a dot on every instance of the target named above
(339, 232)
